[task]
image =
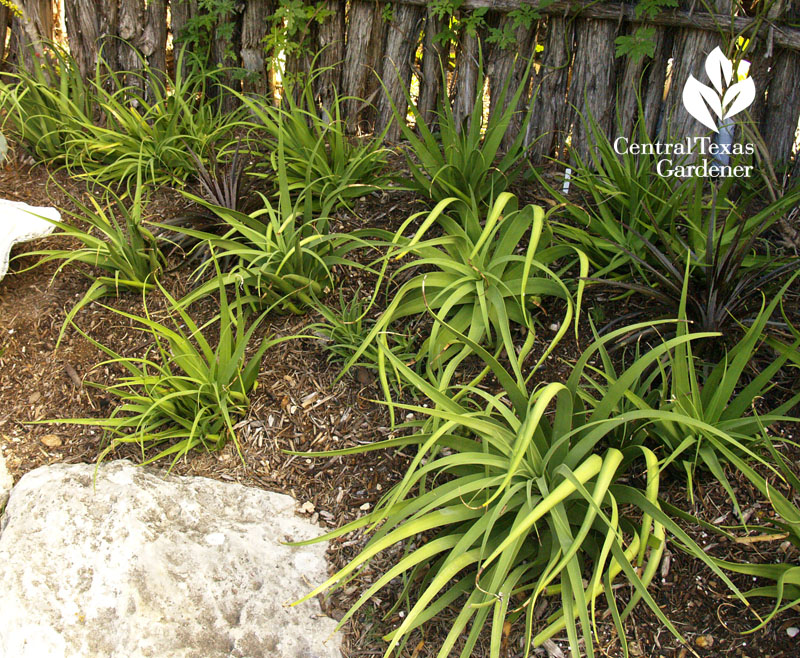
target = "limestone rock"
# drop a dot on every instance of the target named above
(150, 565)
(5, 481)
(20, 222)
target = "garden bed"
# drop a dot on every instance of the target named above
(300, 404)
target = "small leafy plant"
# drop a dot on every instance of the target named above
(116, 241)
(223, 184)
(484, 274)
(48, 106)
(626, 202)
(317, 155)
(718, 395)
(346, 328)
(282, 254)
(110, 127)
(148, 121)
(464, 161)
(723, 275)
(181, 394)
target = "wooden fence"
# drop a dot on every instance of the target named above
(576, 68)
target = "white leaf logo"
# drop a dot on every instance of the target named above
(724, 99)
(719, 69)
(695, 97)
(739, 96)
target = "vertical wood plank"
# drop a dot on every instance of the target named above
(642, 82)
(331, 54)
(506, 65)
(591, 90)
(430, 83)
(779, 125)
(181, 11)
(401, 45)
(364, 29)
(299, 64)
(688, 58)
(5, 16)
(254, 29)
(778, 116)
(465, 79)
(29, 31)
(546, 129)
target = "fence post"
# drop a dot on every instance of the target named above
(364, 50)
(546, 130)
(507, 65)
(30, 30)
(643, 81)
(782, 105)
(401, 44)
(591, 91)
(430, 83)
(5, 16)
(465, 78)
(254, 29)
(331, 57)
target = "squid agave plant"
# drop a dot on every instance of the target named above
(485, 272)
(517, 498)
(113, 239)
(283, 254)
(182, 394)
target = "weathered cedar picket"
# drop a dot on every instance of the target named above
(576, 73)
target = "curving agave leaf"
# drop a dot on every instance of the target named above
(738, 97)
(697, 98)
(719, 69)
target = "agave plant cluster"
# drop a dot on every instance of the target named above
(529, 499)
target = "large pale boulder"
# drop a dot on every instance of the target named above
(20, 222)
(144, 564)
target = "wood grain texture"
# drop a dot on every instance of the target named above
(331, 45)
(546, 130)
(363, 28)
(254, 29)
(508, 65)
(430, 83)
(689, 53)
(787, 37)
(401, 44)
(5, 16)
(591, 90)
(29, 31)
(465, 80)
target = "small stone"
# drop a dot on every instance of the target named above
(364, 507)
(792, 631)
(51, 440)
(555, 326)
(307, 507)
(704, 641)
(34, 398)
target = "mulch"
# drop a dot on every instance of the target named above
(301, 404)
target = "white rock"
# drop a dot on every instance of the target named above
(20, 222)
(792, 631)
(6, 482)
(151, 565)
